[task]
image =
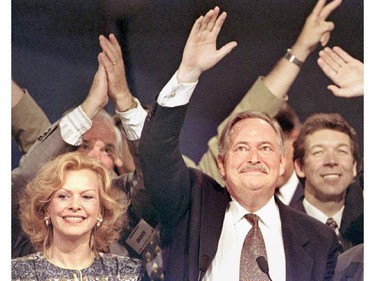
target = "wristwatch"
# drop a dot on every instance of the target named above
(292, 58)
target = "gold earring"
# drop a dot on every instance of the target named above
(46, 221)
(99, 222)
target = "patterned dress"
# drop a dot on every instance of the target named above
(106, 267)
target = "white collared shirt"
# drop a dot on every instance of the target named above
(176, 94)
(319, 215)
(226, 263)
(287, 191)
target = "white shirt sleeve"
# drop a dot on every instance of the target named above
(173, 94)
(176, 94)
(132, 120)
(73, 125)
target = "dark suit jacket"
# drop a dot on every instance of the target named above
(298, 194)
(352, 219)
(350, 265)
(192, 206)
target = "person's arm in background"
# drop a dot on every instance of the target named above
(268, 93)
(131, 115)
(28, 119)
(345, 72)
(128, 107)
(49, 144)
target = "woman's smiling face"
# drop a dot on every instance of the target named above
(75, 208)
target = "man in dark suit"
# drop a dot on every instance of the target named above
(326, 156)
(203, 225)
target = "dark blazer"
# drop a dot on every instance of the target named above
(298, 194)
(192, 205)
(350, 265)
(352, 219)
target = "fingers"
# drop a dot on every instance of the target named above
(226, 49)
(325, 38)
(104, 60)
(212, 19)
(335, 90)
(209, 21)
(197, 26)
(329, 8)
(115, 44)
(327, 69)
(318, 7)
(323, 11)
(219, 23)
(342, 54)
(110, 48)
(97, 97)
(111, 57)
(331, 58)
(100, 76)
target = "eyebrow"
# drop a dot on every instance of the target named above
(258, 144)
(336, 146)
(67, 190)
(105, 144)
(110, 145)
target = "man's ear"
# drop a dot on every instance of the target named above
(119, 162)
(355, 169)
(282, 165)
(299, 168)
(220, 164)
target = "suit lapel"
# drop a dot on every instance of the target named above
(296, 242)
(212, 217)
(298, 195)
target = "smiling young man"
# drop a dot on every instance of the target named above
(326, 156)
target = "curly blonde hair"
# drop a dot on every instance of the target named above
(36, 197)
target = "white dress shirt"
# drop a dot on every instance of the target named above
(286, 192)
(319, 215)
(226, 263)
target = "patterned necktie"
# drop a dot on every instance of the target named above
(333, 225)
(253, 247)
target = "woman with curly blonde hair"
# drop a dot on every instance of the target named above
(71, 217)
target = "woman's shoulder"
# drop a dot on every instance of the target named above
(121, 262)
(31, 258)
(24, 268)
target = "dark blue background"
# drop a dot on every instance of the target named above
(55, 45)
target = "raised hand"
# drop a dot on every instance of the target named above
(98, 96)
(200, 52)
(316, 29)
(112, 60)
(344, 70)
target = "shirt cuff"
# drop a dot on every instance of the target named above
(132, 120)
(73, 125)
(176, 94)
